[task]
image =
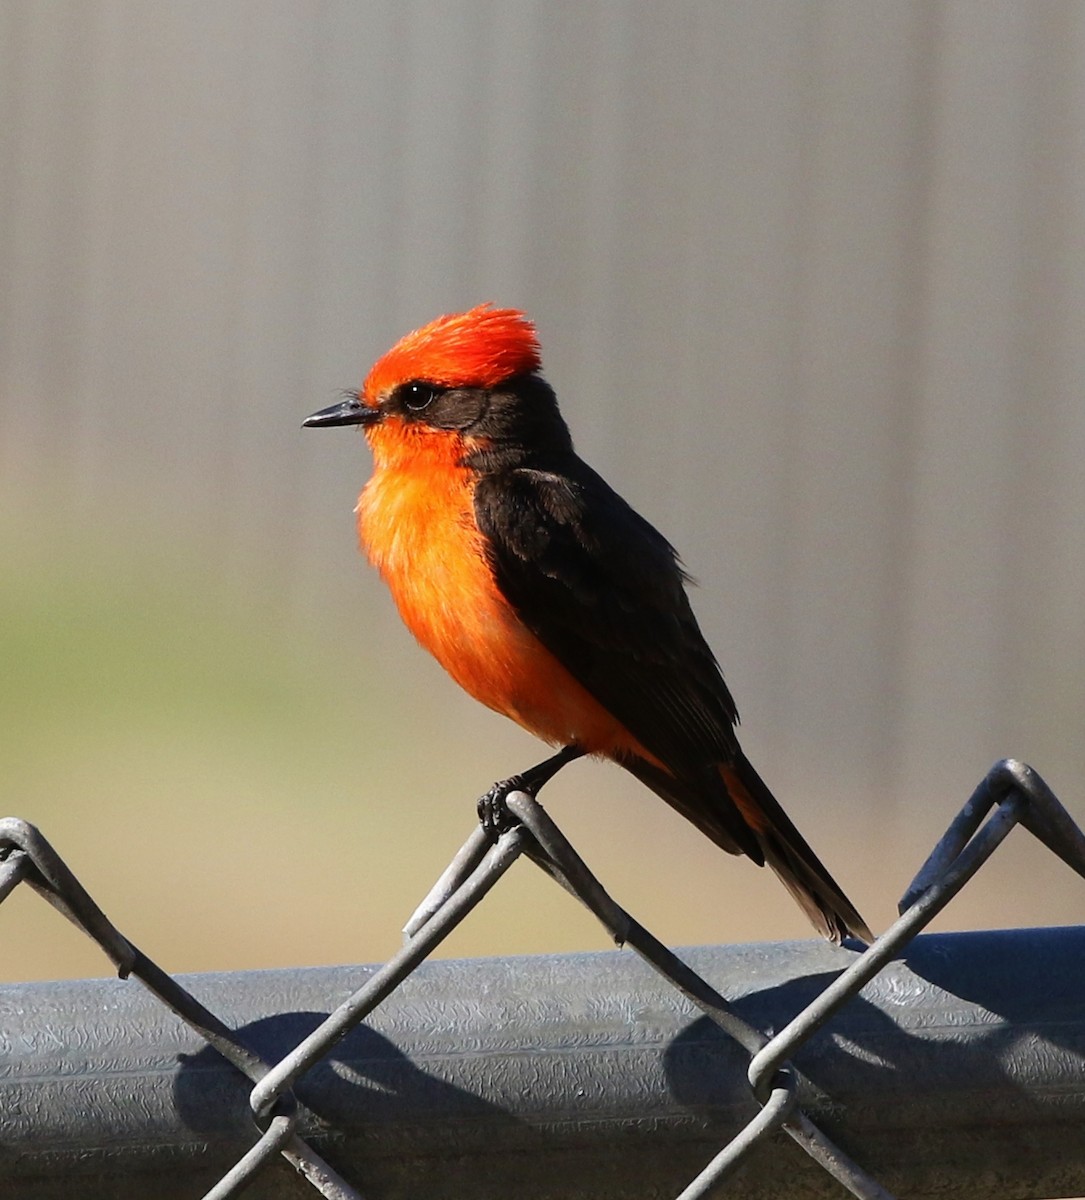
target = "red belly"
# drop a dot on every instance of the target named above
(418, 529)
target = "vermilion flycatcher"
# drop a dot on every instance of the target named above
(545, 596)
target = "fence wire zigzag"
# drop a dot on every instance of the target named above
(1010, 794)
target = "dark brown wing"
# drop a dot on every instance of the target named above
(604, 593)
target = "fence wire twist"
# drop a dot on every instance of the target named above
(1011, 794)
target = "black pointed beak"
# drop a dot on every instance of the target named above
(350, 411)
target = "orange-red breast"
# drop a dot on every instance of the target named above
(544, 595)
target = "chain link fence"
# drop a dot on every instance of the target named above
(783, 1097)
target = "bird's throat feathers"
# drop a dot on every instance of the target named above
(416, 523)
(416, 449)
(420, 491)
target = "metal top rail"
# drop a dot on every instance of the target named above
(958, 1071)
(575, 1076)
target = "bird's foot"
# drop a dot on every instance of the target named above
(493, 809)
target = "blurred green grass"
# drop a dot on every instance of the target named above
(240, 788)
(235, 790)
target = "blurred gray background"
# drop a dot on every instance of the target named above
(810, 282)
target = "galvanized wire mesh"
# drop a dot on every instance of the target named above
(1011, 794)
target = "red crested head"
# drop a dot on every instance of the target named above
(480, 348)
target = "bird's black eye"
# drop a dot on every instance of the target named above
(417, 396)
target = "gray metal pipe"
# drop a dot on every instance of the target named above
(958, 1072)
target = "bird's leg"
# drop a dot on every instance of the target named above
(493, 812)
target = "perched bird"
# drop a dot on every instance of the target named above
(546, 597)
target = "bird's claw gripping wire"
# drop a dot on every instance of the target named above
(493, 809)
